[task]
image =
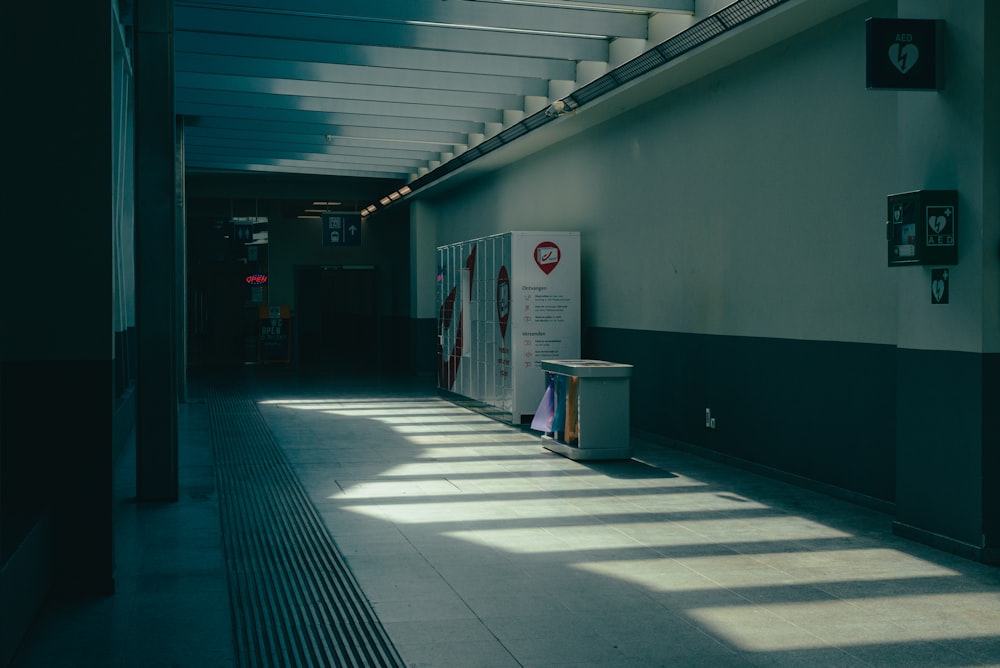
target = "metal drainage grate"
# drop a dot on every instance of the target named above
(294, 601)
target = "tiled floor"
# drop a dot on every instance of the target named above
(171, 608)
(477, 547)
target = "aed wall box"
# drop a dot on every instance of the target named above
(905, 54)
(922, 227)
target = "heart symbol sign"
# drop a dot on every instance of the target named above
(503, 300)
(937, 288)
(937, 223)
(547, 256)
(904, 56)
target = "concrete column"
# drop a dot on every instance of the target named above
(56, 353)
(180, 227)
(625, 49)
(534, 104)
(512, 116)
(156, 254)
(664, 26)
(589, 70)
(948, 355)
(560, 88)
(423, 287)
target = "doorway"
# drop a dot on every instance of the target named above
(337, 316)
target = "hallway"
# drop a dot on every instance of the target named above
(474, 546)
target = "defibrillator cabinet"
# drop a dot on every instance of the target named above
(922, 227)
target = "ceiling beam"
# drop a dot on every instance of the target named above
(287, 167)
(373, 94)
(433, 37)
(570, 18)
(331, 147)
(295, 113)
(404, 110)
(358, 74)
(674, 6)
(315, 51)
(417, 138)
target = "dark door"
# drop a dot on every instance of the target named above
(337, 316)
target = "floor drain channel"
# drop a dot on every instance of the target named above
(295, 603)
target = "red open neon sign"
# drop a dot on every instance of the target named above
(257, 279)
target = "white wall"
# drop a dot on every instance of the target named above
(423, 263)
(704, 8)
(948, 140)
(749, 203)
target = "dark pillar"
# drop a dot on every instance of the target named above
(180, 200)
(56, 352)
(947, 431)
(156, 253)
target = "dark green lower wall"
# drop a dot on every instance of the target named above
(820, 410)
(423, 346)
(948, 438)
(916, 429)
(991, 456)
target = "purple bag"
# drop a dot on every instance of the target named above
(546, 410)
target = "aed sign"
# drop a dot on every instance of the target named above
(905, 54)
(922, 227)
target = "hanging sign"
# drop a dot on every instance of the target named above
(243, 232)
(905, 54)
(341, 229)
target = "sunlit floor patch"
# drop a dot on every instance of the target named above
(440, 468)
(854, 622)
(772, 569)
(597, 504)
(473, 452)
(382, 489)
(654, 535)
(436, 419)
(442, 428)
(361, 404)
(384, 411)
(760, 529)
(472, 437)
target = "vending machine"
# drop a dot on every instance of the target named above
(505, 303)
